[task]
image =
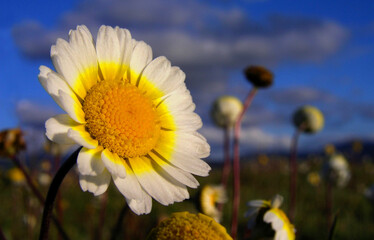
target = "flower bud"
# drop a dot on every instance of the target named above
(226, 110)
(11, 142)
(259, 76)
(308, 119)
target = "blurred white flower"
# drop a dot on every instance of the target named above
(226, 110)
(269, 213)
(336, 169)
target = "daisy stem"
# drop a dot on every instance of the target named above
(52, 192)
(293, 174)
(236, 164)
(38, 194)
(118, 225)
(58, 198)
(103, 202)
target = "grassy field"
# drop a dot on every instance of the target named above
(20, 213)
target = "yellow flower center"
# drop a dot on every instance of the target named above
(121, 118)
(188, 226)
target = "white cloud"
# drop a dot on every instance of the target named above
(252, 140)
(33, 114)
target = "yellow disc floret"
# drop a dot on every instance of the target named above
(188, 226)
(121, 118)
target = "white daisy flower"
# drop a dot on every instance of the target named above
(336, 169)
(133, 116)
(270, 213)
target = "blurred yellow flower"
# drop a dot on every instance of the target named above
(16, 175)
(314, 179)
(263, 159)
(329, 149)
(357, 146)
(188, 226)
(209, 197)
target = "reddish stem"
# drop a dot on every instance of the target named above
(226, 150)
(293, 175)
(2, 236)
(328, 203)
(103, 203)
(236, 164)
(226, 164)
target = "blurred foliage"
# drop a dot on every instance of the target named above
(20, 213)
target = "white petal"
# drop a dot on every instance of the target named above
(81, 42)
(258, 203)
(186, 162)
(142, 206)
(184, 121)
(192, 144)
(178, 101)
(89, 161)
(173, 81)
(72, 107)
(114, 163)
(53, 83)
(141, 56)
(178, 174)
(129, 186)
(161, 189)
(113, 46)
(80, 136)
(276, 222)
(95, 184)
(277, 201)
(57, 129)
(154, 74)
(66, 62)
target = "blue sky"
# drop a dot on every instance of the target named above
(321, 53)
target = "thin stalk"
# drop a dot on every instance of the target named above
(38, 194)
(329, 203)
(236, 164)
(59, 197)
(333, 226)
(226, 151)
(52, 192)
(226, 163)
(293, 174)
(103, 201)
(117, 228)
(2, 236)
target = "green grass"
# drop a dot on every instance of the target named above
(82, 209)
